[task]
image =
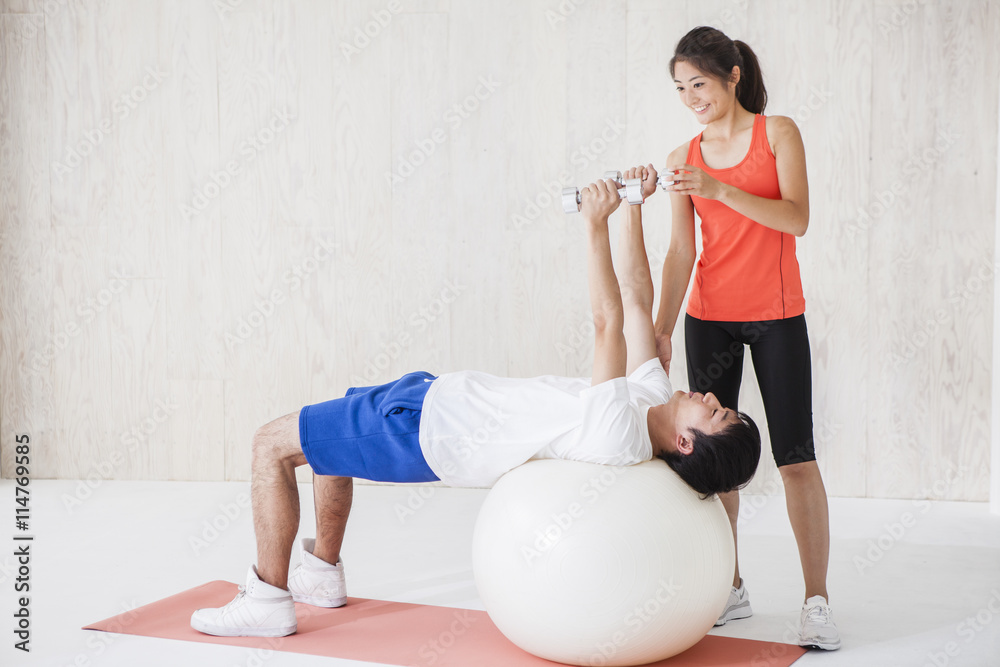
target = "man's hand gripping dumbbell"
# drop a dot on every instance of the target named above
(638, 183)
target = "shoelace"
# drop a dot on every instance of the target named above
(818, 614)
(239, 596)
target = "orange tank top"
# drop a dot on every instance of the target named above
(746, 272)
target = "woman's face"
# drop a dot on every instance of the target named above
(705, 95)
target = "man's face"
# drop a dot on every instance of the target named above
(701, 412)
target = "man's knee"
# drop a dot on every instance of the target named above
(278, 440)
(262, 447)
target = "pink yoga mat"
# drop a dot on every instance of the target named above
(397, 633)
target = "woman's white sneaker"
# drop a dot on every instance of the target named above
(816, 627)
(737, 607)
(258, 610)
(316, 582)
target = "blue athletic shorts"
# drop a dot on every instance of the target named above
(370, 433)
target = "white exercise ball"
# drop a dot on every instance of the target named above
(588, 564)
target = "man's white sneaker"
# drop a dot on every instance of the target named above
(816, 629)
(737, 607)
(258, 610)
(316, 582)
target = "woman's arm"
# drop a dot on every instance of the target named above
(677, 267)
(790, 214)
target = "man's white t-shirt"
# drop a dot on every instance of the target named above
(474, 426)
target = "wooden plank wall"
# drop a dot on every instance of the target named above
(214, 213)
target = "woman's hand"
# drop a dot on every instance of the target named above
(647, 174)
(691, 180)
(663, 350)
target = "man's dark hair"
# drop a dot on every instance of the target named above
(723, 461)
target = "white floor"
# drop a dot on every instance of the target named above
(902, 595)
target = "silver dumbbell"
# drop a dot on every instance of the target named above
(630, 190)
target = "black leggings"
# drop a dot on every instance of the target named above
(781, 361)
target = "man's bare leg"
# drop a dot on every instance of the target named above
(333, 497)
(275, 496)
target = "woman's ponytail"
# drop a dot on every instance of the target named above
(750, 90)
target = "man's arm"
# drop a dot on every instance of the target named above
(636, 283)
(599, 200)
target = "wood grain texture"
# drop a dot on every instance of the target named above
(488, 136)
(84, 112)
(260, 362)
(82, 299)
(135, 79)
(232, 299)
(28, 338)
(304, 53)
(359, 319)
(36, 7)
(139, 397)
(537, 310)
(930, 311)
(192, 247)
(422, 221)
(194, 288)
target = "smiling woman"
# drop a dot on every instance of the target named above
(745, 178)
(712, 55)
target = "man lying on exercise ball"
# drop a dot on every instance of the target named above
(469, 428)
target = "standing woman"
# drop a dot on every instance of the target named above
(745, 175)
